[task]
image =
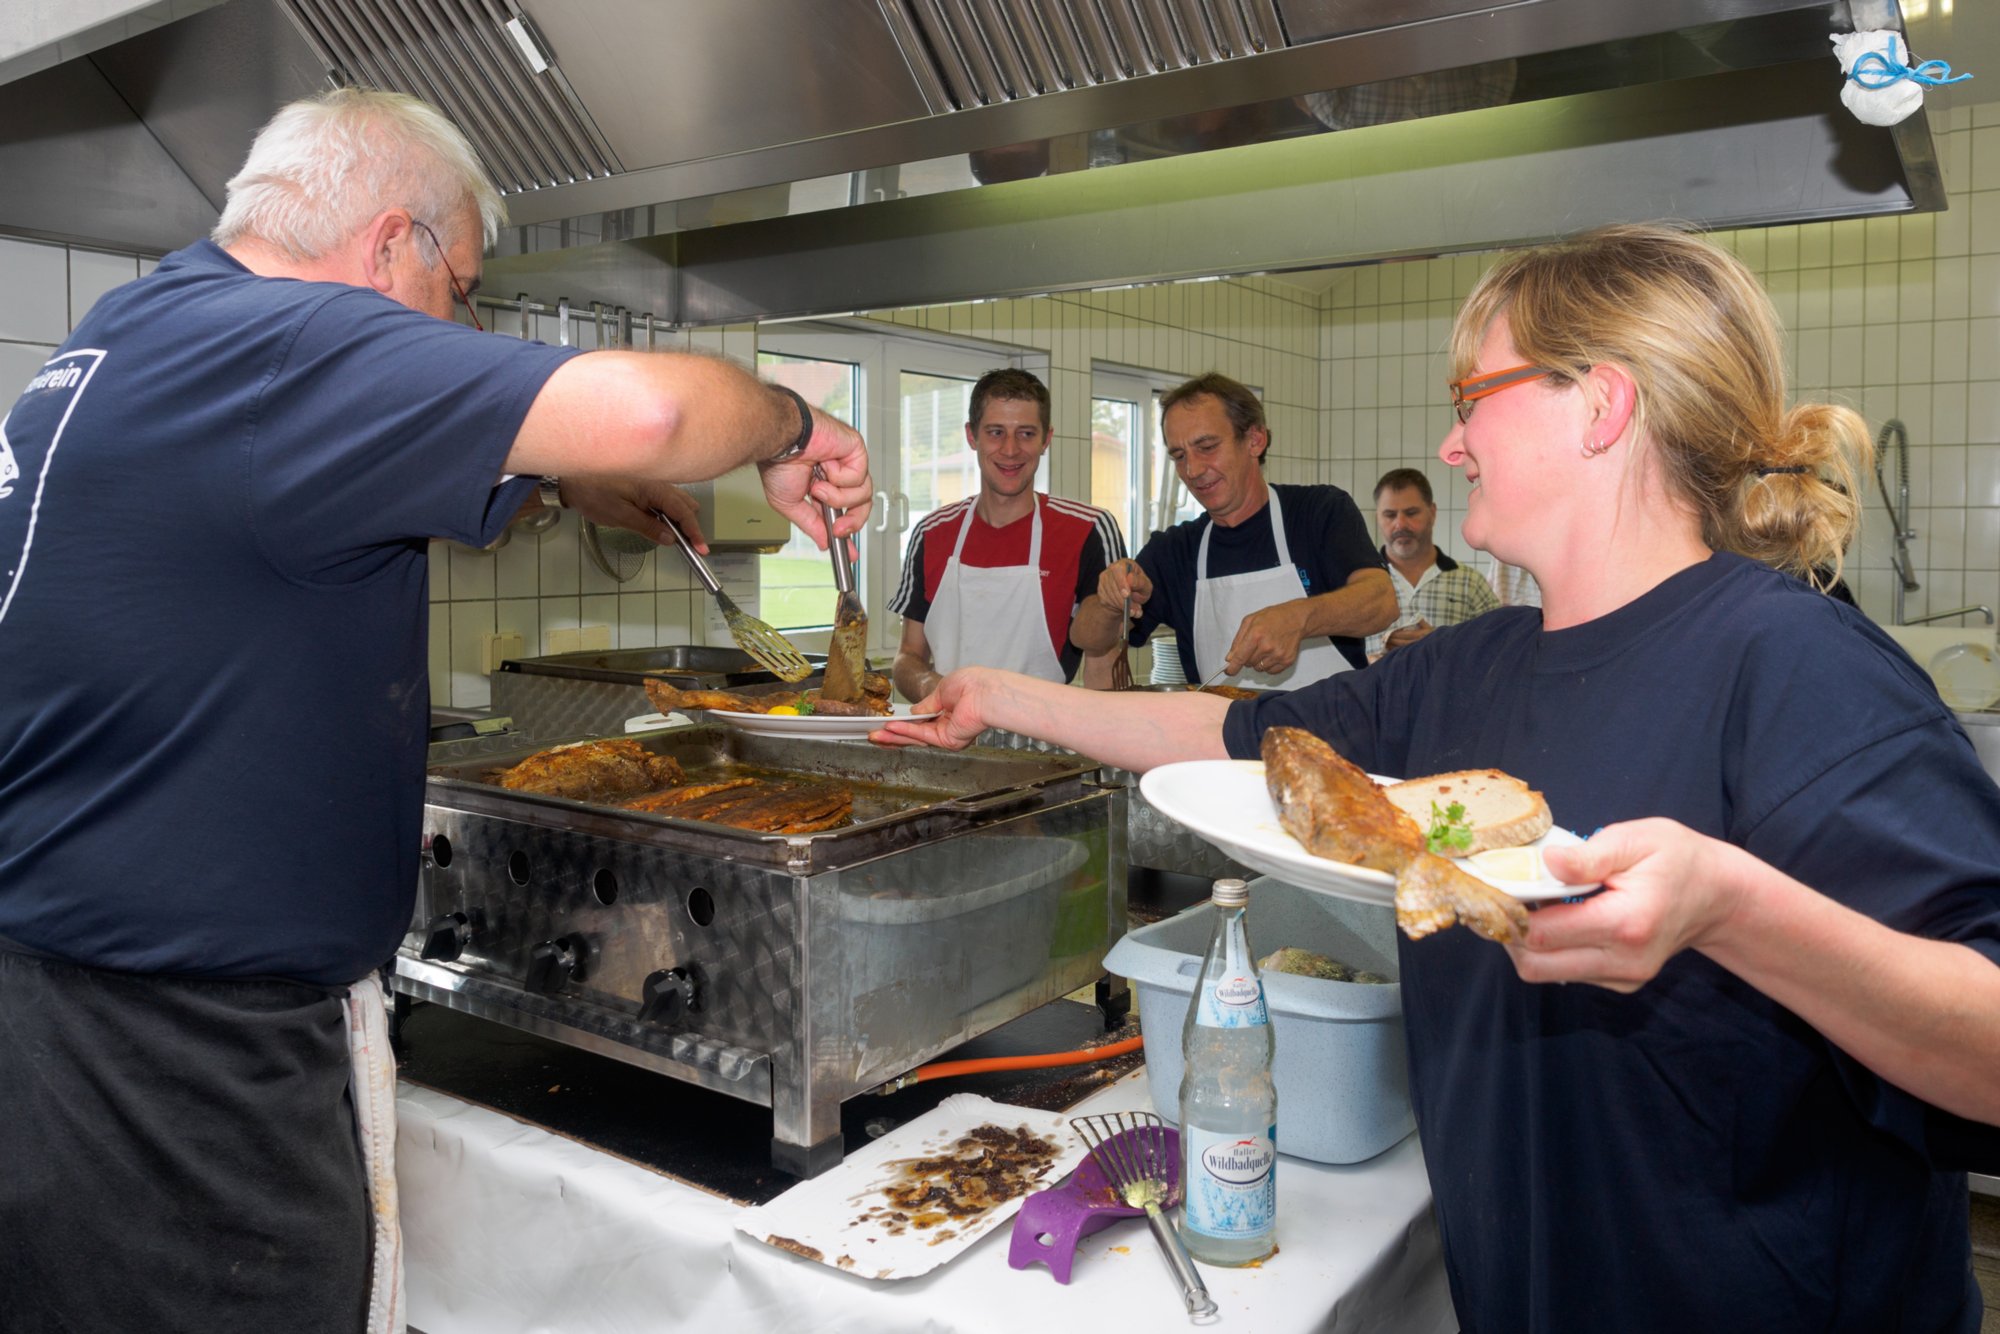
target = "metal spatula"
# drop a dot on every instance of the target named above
(771, 650)
(1133, 1151)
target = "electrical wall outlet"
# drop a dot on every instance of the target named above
(567, 640)
(596, 637)
(496, 649)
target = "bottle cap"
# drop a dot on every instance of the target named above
(1230, 893)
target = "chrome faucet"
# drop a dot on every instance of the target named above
(1899, 515)
(1982, 609)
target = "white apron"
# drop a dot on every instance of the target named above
(993, 617)
(1221, 605)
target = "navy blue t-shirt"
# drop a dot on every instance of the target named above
(1694, 1156)
(212, 615)
(1328, 539)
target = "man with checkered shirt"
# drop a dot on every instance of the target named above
(1432, 589)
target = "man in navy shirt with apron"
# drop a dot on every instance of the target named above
(226, 479)
(993, 580)
(1275, 586)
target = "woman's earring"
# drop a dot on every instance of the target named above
(1594, 448)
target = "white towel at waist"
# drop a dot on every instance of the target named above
(374, 1085)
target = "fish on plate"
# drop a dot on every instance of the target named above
(1338, 812)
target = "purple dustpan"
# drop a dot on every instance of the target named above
(1052, 1221)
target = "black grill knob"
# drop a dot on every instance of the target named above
(668, 996)
(446, 937)
(555, 962)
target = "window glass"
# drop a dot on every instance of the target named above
(1130, 473)
(1116, 438)
(908, 398)
(1171, 501)
(795, 584)
(937, 468)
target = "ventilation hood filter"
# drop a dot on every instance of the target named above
(480, 62)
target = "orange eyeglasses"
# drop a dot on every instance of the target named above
(456, 286)
(1466, 392)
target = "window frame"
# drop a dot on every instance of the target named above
(883, 353)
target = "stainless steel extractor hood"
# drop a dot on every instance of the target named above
(711, 160)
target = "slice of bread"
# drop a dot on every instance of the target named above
(1502, 811)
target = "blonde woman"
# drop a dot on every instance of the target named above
(1758, 1116)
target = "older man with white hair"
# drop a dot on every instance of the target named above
(229, 474)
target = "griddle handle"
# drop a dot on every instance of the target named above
(992, 803)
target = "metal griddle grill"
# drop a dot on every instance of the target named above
(792, 971)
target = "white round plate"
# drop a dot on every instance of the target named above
(825, 727)
(1227, 803)
(1967, 677)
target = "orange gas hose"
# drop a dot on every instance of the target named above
(948, 1069)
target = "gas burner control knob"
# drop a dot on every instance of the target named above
(555, 962)
(668, 996)
(446, 937)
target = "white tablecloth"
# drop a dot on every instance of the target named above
(510, 1228)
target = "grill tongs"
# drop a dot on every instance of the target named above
(847, 650)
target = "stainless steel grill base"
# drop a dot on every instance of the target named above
(1151, 839)
(794, 972)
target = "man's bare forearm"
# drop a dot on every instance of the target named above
(1136, 730)
(680, 416)
(1366, 605)
(1100, 670)
(1094, 628)
(914, 676)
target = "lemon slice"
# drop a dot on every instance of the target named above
(785, 711)
(1510, 863)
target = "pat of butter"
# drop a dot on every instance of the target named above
(1511, 863)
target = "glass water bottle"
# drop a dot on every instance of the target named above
(1229, 1104)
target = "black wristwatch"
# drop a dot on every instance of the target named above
(798, 446)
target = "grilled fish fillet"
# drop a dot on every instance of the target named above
(761, 806)
(790, 808)
(1336, 811)
(667, 697)
(664, 803)
(594, 771)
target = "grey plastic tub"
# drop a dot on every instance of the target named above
(1343, 1083)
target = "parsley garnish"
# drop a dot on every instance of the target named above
(805, 705)
(1449, 828)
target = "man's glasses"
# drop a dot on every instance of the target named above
(456, 286)
(1466, 392)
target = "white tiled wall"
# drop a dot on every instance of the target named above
(44, 291)
(536, 585)
(1894, 317)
